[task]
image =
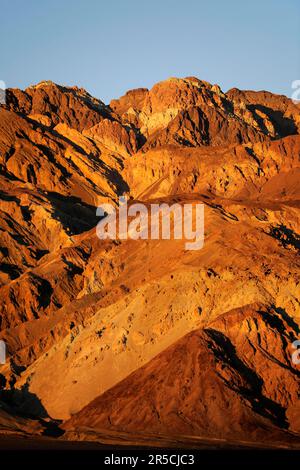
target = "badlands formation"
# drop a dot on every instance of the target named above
(146, 339)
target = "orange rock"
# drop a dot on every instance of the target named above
(147, 337)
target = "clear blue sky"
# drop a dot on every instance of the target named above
(111, 46)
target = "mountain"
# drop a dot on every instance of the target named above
(142, 337)
(209, 383)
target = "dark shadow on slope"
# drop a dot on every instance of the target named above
(225, 352)
(286, 236)
(25, 404)
(45, 291)
(289, 320)
(12, 270)
(8, 197)
(277, 319)
(284, 126)
(223, 212)
(8, 175)
(40, 253)
(72, 268)
(75, 215)
(116, 178)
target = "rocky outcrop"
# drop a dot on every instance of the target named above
(51, 104)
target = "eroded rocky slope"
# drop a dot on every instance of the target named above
(145, 336)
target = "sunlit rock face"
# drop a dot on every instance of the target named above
(144, 336)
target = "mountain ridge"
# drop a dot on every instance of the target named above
(92, 313)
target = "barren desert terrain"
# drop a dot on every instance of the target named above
(144, 341)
